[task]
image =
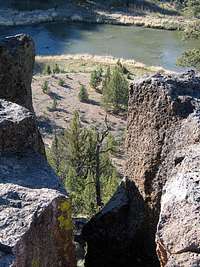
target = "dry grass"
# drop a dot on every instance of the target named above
(84, 63)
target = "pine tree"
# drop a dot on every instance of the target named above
(45, 87)
(47, 70)
(56, 69)
(83, 94)
(96, 78)
(115, 91)
(81, 156)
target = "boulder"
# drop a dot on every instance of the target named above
(18, 130)
(17, 55)
(35, 210)
(162, 120)
(35, 214)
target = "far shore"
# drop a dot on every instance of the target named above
(9, 17)
(86, 63)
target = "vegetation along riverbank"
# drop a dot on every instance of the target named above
(97, 13)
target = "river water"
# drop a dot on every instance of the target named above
(150, 46)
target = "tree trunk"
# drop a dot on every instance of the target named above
(97, 178)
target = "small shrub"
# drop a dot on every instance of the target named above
(56, 69)
(96, 78)
(45, 87)
(83, 94)
(47, 70)
(61, 82)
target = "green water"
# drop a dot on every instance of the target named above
(152, 47)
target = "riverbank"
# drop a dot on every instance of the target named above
(85, 63)
(72, 13)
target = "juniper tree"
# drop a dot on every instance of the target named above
(84, 161)
(115, 91)
(83, 94)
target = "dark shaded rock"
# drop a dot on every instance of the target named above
(18, 130)
(112, 235)
(17, 55)
(79, 242)
(160, 124)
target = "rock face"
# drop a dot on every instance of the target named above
(178, 231)
(163, 121)
(35, 211)
(163, 144)
(17, 54)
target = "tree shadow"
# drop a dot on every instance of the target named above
(54, 95)
(93, 102)
(47, 126)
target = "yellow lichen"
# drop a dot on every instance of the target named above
(65, 219)
(35, 263)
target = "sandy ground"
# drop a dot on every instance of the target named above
(91, 114)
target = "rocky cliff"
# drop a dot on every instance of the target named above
(35, 211)
(163, 138)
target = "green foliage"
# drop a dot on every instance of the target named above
(192, 8)
(96, 78)
(190, 58)
(61, 82)
(45, 87)
(192, 31)
(115, 91)
(56, 69)
(73, 156)
(83, 94)
(47, 70)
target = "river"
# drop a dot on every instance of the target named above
(150, 46)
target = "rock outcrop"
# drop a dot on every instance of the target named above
(163, 121)
(35, 211)
(163, 142)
